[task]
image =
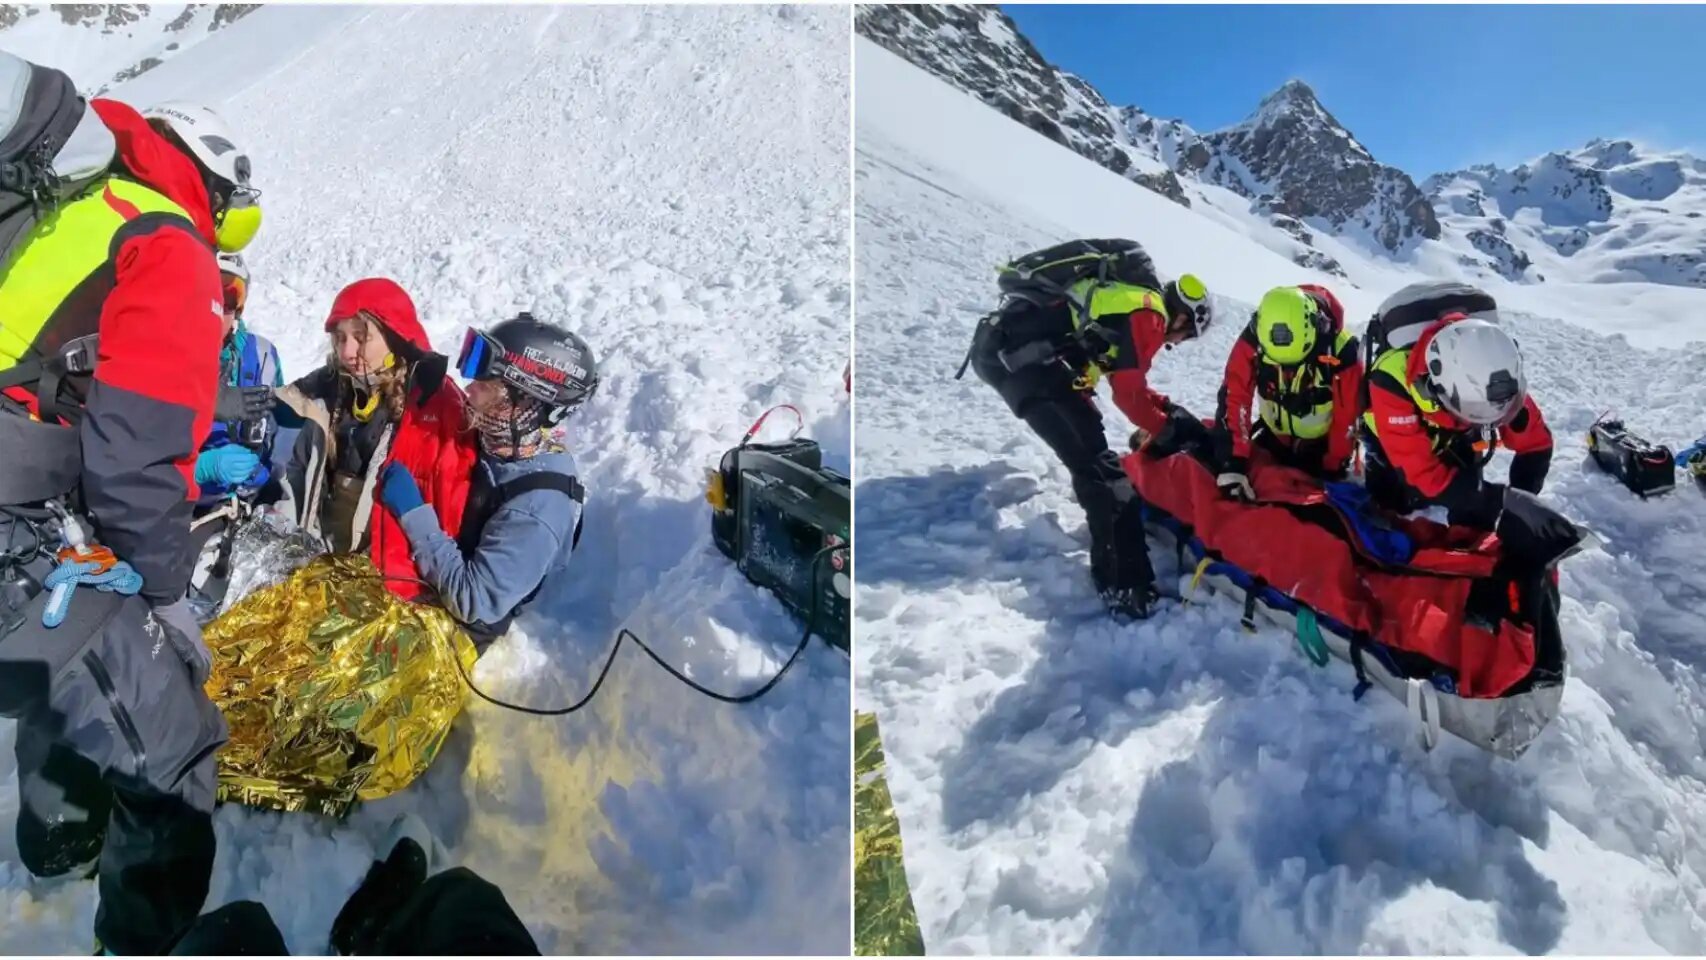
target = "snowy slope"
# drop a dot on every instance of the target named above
(1065, 784)
(672, 183)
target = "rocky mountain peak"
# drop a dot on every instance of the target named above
(1295, 157)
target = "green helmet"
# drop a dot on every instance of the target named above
(1287, 324)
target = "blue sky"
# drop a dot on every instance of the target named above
(1426, 89)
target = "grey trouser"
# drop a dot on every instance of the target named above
(112, 724)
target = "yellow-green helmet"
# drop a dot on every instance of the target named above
(1286, 325)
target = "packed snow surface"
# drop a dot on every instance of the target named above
(1065, 784)
(670, 182)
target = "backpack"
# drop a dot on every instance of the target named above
(1401, 319)
(52, 146)
(1044, 277)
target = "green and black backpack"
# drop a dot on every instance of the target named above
(1045, 276)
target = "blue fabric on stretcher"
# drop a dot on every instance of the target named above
(1371, 529)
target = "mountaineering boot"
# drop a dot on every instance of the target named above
(408, 854)
(63, 809)
(1130, 603)
(408, 826)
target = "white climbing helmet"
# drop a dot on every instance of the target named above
(236, 203)
(207, 135)
(1475, 370)
(232, 264)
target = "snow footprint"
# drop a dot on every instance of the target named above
(1173, 817)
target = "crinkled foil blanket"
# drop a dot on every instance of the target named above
(886, 924)
(334, 689)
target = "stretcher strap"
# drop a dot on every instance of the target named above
(1363, 684)
(1252, 594)
(1309, 638)
(1196, 578)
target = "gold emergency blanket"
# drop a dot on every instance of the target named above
(885, 924)
(335, 690)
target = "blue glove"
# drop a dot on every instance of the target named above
(399, 491)
(229, 465)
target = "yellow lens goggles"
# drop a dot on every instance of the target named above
(1191, 288)
(237, 225)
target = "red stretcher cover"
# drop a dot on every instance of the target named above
(1295, 539)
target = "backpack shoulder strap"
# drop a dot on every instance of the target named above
(548, 480)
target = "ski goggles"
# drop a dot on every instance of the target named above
(236, 291)
(483, 358)
(479, 351)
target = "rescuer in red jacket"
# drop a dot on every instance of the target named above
(1070, 316)
(109, 358)
(1293, 385)
(1437, 412)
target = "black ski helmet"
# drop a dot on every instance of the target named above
(535, 359)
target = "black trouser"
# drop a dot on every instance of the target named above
(1068, 421)
(116, 752)
(454, 912)
(1469, 501)
(1305, 455)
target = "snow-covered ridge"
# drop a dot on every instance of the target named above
(101, 45)
(1300, 183)
(1611, 210)
(1290, 159)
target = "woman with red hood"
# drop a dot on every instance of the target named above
(383, 397)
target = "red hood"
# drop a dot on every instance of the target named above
(153, 160)
(386, 300)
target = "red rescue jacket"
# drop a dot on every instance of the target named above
(1128, 381)
(1414, 439)
(158, 311)
(1247, 377)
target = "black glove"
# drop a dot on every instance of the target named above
(1181, 430)
(1528, 470)
(243, 403)
(1533, 536)
(1473, 503)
